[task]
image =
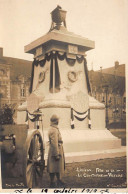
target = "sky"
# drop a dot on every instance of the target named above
(103, 21)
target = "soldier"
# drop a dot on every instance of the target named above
(56, 160)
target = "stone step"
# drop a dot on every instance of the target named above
(93, 155)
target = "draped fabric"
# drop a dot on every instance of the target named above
(36, 62)
(89, 118)
(32, 76)
(51, 74)
(72, 119)
(79, 113)
(32, 117)
(61, 57)
(54, 56)
(86, 75)
(80, 117)
(80, 59)
(42, 62)
(57, 73)
(48, 56)
(70, 62)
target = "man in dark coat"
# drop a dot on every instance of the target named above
(56, 160)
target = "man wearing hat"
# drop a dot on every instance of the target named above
(56, 160)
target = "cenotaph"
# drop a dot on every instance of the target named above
(60, 85)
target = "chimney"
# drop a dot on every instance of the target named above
(116, 64)
(1, 52)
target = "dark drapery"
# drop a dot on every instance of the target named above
(32, 117)
(54, 60)
(57, 74)
(86, 75)
(54, 64)
(79, 113)
(80, 116)
(32, 76)
(51, 73)
(72, 119)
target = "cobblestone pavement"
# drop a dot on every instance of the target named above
(104, 173)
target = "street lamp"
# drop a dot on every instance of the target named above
(106, 104)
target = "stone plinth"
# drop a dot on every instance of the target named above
(60, 77)
(81, 138)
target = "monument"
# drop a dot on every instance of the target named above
(60, 85)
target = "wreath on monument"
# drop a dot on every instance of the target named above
(72, 76)
(41, 76)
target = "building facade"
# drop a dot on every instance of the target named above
(14, 80)
(108, 87)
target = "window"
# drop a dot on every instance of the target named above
(1, 72)
(103, 100)
(22, 92)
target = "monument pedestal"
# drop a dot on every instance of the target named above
(60, 78)
(80, 143)
(81, 139)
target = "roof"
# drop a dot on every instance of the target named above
(118, 70)
(2, 61)
(115, 83)
(19, 67)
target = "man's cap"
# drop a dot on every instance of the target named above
(54, 118)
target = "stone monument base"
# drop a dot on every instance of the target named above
(95, 155)
(80, 143)
(88, 144)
